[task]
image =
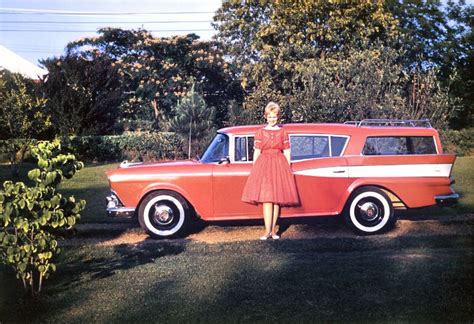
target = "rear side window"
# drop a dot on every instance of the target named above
(399, 145)
(316, 146)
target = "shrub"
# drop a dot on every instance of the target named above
(29, 215)
(460, 142)
(141, 146)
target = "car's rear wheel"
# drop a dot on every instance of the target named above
(164, 214)
(370, 211)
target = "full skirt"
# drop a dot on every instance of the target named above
(271, 180)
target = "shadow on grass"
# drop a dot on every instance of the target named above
(341, 279)
(76, 268)
(309, 281)
(121, 258)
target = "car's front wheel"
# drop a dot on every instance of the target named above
(164, 214)
(370, 211)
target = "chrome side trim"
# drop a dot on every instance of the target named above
(120, 210)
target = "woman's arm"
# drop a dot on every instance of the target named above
(287, 154)
(256, 154)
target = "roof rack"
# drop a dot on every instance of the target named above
(392, 122)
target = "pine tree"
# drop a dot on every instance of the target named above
(193, 120)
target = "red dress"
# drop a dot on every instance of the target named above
(271, 179)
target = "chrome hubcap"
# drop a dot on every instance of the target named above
(369, 211)
(163, 214)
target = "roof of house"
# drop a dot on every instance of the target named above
(15, 63)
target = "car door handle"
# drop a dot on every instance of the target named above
(339, 171)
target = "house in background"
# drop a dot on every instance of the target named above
(16, 64)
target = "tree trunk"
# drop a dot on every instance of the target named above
(154, 104)
(189, 139)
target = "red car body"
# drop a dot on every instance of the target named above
(331, 164)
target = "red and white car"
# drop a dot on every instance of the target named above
(363, 170)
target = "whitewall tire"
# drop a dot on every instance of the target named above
(164, 214)
(370, 211)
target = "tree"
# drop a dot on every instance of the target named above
(193, 120)
(463, 57)
(272, 40)
(256, 31)
(156, 72)
(23, 117)
(321, 60)
(83, 94)
(439, 36)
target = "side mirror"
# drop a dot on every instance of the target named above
(225, 160)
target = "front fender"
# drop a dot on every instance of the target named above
(194, 199)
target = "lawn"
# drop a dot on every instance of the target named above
(382, 279)
(463, 173)
(91, 184)
(426, 278)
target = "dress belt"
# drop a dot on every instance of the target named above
(271, 151)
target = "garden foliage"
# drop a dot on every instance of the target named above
(29, 215)
(193, 121)
(334, 61)
(460, 142)
(157, 72)
(23, 115)
(84, 93)
(138, 146)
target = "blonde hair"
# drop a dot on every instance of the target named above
(272, 107)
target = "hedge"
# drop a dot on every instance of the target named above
(132, 146)
(460, 142)
(140, 146)
(149, 146)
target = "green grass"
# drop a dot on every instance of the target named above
(375, 279)
(91, 184)
(379, 278)
(463, 173)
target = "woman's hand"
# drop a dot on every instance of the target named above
(287, 154)
(256, 154)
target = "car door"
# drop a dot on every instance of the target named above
(321, 173)
(229, 178)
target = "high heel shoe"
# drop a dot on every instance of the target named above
(275, 236)
(265, 237)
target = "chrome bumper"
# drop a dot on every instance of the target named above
(116, 209)
(445, 200)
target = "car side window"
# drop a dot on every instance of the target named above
(309, 147)
(244, 148)
(399, 145)
(422, 145)
(337, 145)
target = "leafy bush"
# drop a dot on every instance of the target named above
(140, 146)
(29, 215)
(460, 142)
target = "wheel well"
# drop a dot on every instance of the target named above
(397, 203)
(186, 203)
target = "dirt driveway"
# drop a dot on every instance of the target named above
(130, 233)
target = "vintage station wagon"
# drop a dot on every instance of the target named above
(362, 170)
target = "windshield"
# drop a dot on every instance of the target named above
(217, 150)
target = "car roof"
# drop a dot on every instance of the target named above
(334, 128)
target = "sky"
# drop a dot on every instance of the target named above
(36, 29)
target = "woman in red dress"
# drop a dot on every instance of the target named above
(271, 181)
